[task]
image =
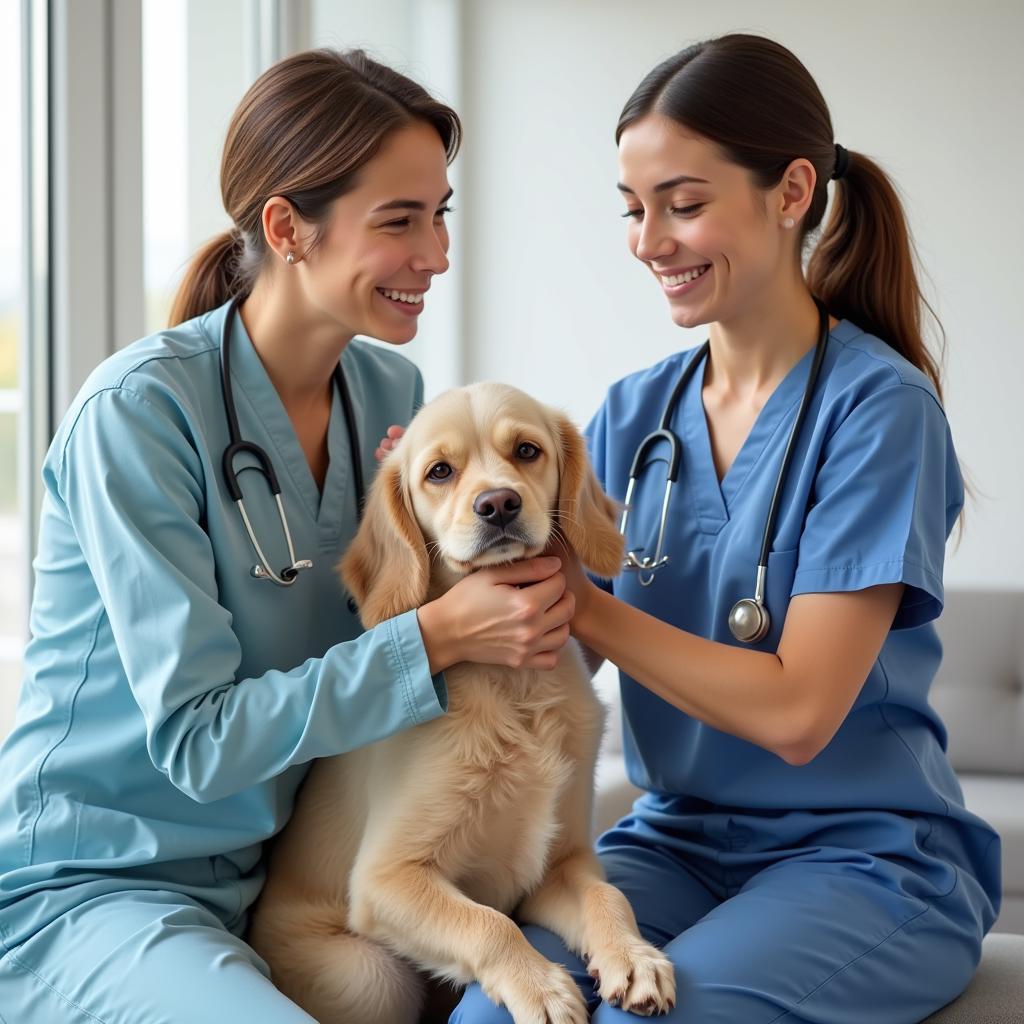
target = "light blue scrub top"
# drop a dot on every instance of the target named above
(871, 496)
(171, 703)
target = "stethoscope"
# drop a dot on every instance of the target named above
(261, 570)
(749, 619)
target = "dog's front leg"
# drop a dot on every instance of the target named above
(596, 920)
(593, 917)
(416, 911)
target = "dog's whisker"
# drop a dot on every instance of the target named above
(567, 519)
(564, 514)
(559, 533)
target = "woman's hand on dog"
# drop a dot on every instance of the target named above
(389, 442)
(515, 615)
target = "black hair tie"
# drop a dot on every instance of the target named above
(842, 162)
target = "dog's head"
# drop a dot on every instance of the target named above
(484, 475)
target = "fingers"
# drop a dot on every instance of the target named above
(539, 599)
(550, 649)
(515, 614)
(560, 613)
(532, 570)
(389, 443)
(553, 642)
(553, 632)
(556, 632)
(544, 662)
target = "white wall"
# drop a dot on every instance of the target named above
(549, 298)
(421, 38)
(555, 304)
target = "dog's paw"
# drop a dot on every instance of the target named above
(635, 977)
(539, 992)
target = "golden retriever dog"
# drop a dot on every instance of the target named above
(405, 859)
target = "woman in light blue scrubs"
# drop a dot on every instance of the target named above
(802, 851)
(172, 702)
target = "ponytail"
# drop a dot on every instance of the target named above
(863, 267)
(210, 280)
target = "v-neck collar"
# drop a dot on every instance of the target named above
(714, 498)
(253, 385)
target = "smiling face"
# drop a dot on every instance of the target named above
(698, 223)
(384, 240)
(481, 467)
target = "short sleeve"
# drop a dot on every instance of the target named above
(887, 493)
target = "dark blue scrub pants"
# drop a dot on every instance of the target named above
(867, 919)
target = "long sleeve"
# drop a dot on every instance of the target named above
(135, 490)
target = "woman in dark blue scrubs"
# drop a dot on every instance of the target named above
(802, 852)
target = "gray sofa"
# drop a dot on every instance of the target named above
(979, 692)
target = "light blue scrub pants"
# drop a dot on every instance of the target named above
(761, 931)
(139, 957)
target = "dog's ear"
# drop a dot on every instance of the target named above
(586, 515)
(386, 568)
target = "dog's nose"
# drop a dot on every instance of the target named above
(498, 508)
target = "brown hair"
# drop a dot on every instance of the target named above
(760, 105)
(302, 131)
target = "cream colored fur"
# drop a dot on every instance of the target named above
(406, 858)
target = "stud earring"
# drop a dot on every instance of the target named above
(788, 222)
(290, 258)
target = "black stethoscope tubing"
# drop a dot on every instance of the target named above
(237, 446)
(749, 619)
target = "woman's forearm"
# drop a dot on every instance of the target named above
(742, 692)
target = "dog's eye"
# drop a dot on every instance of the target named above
(527, 452)
(439, 471)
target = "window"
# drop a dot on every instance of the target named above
(13, 283)
(196, 64)
(164, 149)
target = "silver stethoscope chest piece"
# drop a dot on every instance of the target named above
(749, 620)
(261, 570)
